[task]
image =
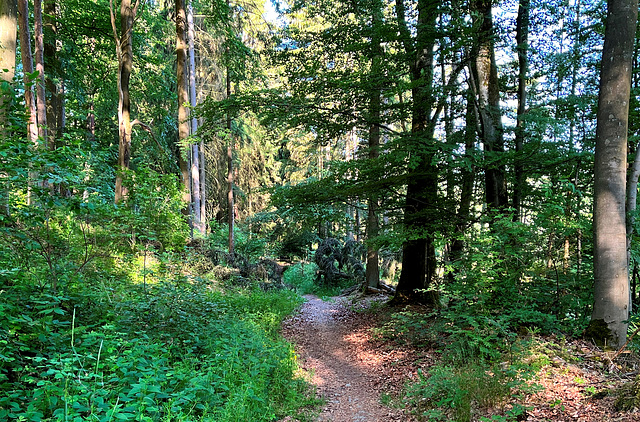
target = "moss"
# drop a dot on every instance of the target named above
(598, 331)
(628, 396)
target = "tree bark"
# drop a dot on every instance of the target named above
(8, 45)
(124, 50)
(522, 41)
(40, 84)
(230, 198)
(27, 67)
(611, 285)
(183, 100)
(418, 251)
(488, 91)
(196, 185)
(372, 270)
(54, 100)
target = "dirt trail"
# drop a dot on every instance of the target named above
(345, 372)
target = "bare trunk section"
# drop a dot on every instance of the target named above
(124, 51)
(230, 198)
(611, 286)
(8, 45)
(372, 271)
(486, 76)
(54, 100)
(40, 84)
(27, 67)
(418, 251)
(196, 183)
(522, 40)
(183, 100)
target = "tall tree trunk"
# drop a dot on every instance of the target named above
(488, 90)
(40, 93)
(522, 41)
(198, 220)
(468, 179)
(8, 45)
(54, 101)
(230, 198)
(418, 251)
(372, 271)
(27, 67)
(124, 50)
(611, 285)
(183, 100)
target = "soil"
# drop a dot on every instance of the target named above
(350, 373)
(352, 370)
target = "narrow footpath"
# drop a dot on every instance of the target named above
(333, 343)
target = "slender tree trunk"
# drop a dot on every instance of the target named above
(40, 93)
(27, 67)
(486, 76)
(230, 198)
(611, 287)
(632, 199)
(198, 220)
(522, 40)
(468, 179)
(183, 100)
(54, 101)
(124, 50)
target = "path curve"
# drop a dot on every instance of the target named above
(328, 351)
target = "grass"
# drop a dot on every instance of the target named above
(167, 351)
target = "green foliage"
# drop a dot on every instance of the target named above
(303, 278)
(450, 393)
(170, 351)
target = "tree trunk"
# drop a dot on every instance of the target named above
(183, 100)
(54, 101)
(27, 67)
(8, 43)
(372, 271)
(488, 91)
(468, 179)
(230, 199)
(522, 41)
(611, 286)
(418, 251)
(198, 219)
(124, 50)
(40, 94)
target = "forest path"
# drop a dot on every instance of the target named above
(350, 373)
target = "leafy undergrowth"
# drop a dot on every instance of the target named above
(529, 378)
(168, 351)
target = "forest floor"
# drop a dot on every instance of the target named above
(352, 369)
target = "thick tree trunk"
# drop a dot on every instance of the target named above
(522, 40)
(488, 90)
(611, 286)
(27, 67)
(183, 100)
(418, 251)
(40, 93)
(372, 271)
(8, 45)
